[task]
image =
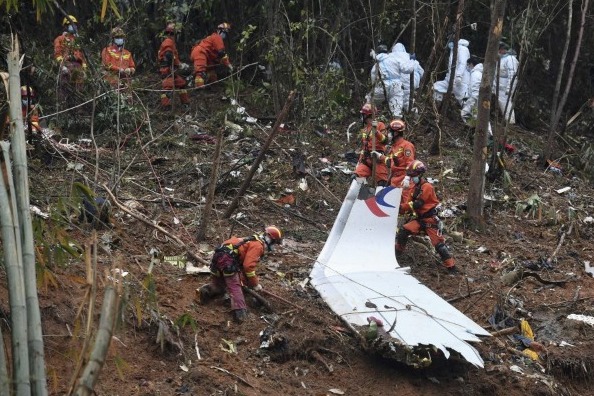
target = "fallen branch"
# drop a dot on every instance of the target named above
(509, 330)
(451, 300)
(281, 299)
(233, 375)
(146, 221)
(561, 240)
(316, 355)
(258, 297)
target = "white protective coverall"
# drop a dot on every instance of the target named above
(400, 50)
(469, 109)
(508, 68)
(461, 77)
(391, 68)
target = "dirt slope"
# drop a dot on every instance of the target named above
(154, 350)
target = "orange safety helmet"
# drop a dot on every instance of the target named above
(224, 27)
(415, 168)
(397, 125)
(274, 233)
(368, 109)
(24, 92)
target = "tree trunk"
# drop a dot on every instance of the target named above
(479, 156)
(281, 117)
(211, 187)
(413, 49)
(557, 112)
(435, 148)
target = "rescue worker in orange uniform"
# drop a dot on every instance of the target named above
(234, 263)
(117, 61)
(365, 164)
(169, 64)
(208, 54)
(401, 154)
(422, 204)
(71, 60)
(30, 109)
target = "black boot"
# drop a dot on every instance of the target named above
(204, 294)
(240, 315)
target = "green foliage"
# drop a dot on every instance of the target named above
(185, 320)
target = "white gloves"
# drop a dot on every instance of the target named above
(129, 71)
(372, 54)
(257, 288)
(374, 124)
(64, 70)
(376, 154)
(230, 67)
(458, 80)
(184, 66)
(406, 182)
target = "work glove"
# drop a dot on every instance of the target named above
(413, 56)
(372, 54)
(257, 288)
(184, 66)
(406, 182)
(230, 67)
(458, 80)
(374, 124)
(376, 154)
(64, 70)
(129, 71)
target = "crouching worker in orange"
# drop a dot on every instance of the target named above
(402, 154)
(422, 205)
(208, 54)
(168, 60)
(372, 130)
(233, 264)
(117, 61)
(30, 109)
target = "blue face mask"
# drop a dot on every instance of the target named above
(451, 45)
(223, 35)
(119, 42)
(71, 28)
(25, 102)
(416, 179)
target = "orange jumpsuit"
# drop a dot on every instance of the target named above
(364, 166)
(114, 59)
(423, 202)
(228, 274)
(402, 153)
(68, 54)
(168, 60)
(33, 114)
(206, 55)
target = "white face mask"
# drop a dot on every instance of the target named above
(416, 179)
(119, 42)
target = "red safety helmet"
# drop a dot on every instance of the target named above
(397, 125)
(415, 168)
(274, 233)
(368, 109)
(24, 92)
(224, 27)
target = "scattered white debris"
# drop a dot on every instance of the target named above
(336, 391)
(516, 369)
(482, 249)
(251, 120)
(589, 220)
(582, 318)
(564, 344)
(191, 269)
(77, 166)
(176, 220)
(36, 211)
(588, 268)
(562, 190)
(303, 184)
(169, 189)
(184, 368)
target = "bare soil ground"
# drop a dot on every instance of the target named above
(162, 328)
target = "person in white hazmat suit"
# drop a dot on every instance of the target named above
(461, 76)
(508, 69)
(390, 68)
(470, 106)
(399, 50)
